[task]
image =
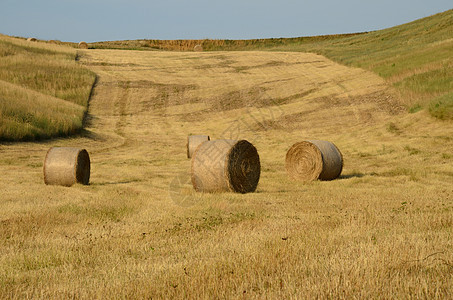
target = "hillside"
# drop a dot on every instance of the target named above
(417, 58)
(139, 230)
(43, 90)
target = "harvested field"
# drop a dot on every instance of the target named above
(139, 230)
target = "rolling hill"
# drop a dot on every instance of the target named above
(139, 230)
(417, 57)
(43, 90)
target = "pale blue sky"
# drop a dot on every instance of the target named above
(106, 20)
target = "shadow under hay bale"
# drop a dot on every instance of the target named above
(66, 166)
(193, 141)
(312, 160)
(83, 45)
(198, 48)
(226, 166)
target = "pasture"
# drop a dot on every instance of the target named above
(139, 230)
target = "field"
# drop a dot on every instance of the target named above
(382, 230)
(416, 58)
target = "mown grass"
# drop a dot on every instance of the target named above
(140, 231)
(35, 78)
(416, 58)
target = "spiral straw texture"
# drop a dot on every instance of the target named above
(314, 159)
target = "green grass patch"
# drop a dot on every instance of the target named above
(435, 81)
(442, 107)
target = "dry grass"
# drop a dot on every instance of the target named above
(35, 78)
(415, 57)
(382, 230)
(28, 115)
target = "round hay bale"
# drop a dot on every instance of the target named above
(66, 166)
(83, 45)
(198, 48)
(312, 160)
(226, 166)
(193, 141)
(31, 40)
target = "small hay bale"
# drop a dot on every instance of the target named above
(66, 166)
(83, 45)
(226, 166)
(193, 141)
(312, 160)
(31, 40)
(198, 48)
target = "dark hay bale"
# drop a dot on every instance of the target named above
(226, 166)
(31, 40)
(66, 166)
(312, 160)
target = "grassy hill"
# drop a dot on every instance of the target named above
(417, 58)
(43, 90)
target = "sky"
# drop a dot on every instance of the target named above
(109, 20)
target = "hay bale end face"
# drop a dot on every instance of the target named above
(313, 160)
(66, 166)
(198, 48)
(83, 45)
(226, 166)
(193, 141)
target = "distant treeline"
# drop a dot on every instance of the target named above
(212, 44)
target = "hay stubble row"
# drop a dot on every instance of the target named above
(368, 232)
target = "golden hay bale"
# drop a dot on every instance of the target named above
(226, 166)
(193, 141)
(31, 40)
(198, 48)
(312, 160)
(66, 166)
(83, 45)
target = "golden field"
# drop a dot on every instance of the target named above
(382, 230)
(416, 58)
